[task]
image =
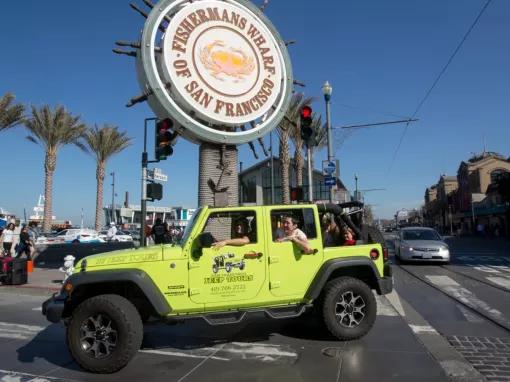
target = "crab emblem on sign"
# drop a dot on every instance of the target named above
(230, 62)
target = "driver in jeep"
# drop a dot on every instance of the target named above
(240, 235)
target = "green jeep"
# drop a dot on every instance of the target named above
(105, 302)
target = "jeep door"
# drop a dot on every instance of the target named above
(291, 270)
(222, 274)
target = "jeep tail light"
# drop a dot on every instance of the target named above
(386, 254)
(374, 254)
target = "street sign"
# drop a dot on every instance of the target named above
(156, 174)
(330, 167)
(329, 181)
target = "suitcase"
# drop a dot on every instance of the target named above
(14, 271)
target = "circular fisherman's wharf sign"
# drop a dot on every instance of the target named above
(219, 69)
(223, 62)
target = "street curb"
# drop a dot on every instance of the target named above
(456, 367)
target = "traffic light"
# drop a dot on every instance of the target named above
(164, 139)
(154, 191)
(306, 123)
(296, 194)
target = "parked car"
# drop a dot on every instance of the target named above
(421, 244)
(120, 236)
(71, 235)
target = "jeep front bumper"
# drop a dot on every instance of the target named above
(54, 307)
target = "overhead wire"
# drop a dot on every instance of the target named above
(436, 81)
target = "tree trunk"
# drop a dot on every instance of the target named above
(99, 194)
(217, 167)
(49, 168)
(284, 163)
(299, 163)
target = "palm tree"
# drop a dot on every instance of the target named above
(298, 141)
(11, 114)
(103, 143)
(320, 132)
(286, 129)
(52, 130)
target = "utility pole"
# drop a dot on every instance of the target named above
(113, 197)
(145, 162)
(356, 192)
(310, 172)
(272, 166)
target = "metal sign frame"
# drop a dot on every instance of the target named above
(165, 106)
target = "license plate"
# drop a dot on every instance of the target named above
(426, 255)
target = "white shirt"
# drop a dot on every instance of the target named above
(8, 236)
(112, 231)
(298, 234)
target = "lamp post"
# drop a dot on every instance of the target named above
(327, 90)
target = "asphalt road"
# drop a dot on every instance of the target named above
(442, 323)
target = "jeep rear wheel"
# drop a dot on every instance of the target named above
(104, 333)
(349, 308)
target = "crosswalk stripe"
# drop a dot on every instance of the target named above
(453, 289)
(501, 281)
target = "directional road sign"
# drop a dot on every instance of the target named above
(330, 167)
(329, 181)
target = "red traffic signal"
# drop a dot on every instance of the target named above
(306, 112)
(164, 139)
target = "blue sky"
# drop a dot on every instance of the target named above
(380, 57)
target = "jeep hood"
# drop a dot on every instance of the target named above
(129, 256)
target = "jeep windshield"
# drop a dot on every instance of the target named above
(189, 227)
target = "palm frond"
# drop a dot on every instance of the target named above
(11, 114)
(106, 141)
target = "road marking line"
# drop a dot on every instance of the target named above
(418, 329)
(468, 298)
(181, 354)
(501, 281)
(486, 269)
(15, 376)
(443, 281)
(12, 326)
(470, 316)
(39, 309)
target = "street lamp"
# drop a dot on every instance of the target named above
(327, 90)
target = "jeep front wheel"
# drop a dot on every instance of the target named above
(348, 308)
(104, 333)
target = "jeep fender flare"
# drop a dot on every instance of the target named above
(322, 276)
(135, 276)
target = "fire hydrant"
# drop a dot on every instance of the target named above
(68, 267)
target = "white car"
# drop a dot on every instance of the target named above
(72, 235)
(120, 236)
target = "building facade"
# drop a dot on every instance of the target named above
(255, 184)
(470, 199)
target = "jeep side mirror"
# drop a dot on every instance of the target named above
(205, 240)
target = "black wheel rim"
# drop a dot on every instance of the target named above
(350, 309)
(98, 336)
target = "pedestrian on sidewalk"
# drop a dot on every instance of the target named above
(7, 239)
(25, 244)
(159, 231)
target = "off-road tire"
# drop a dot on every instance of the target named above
(128, 325)
(333, 292)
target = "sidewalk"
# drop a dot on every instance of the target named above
(41, 281)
